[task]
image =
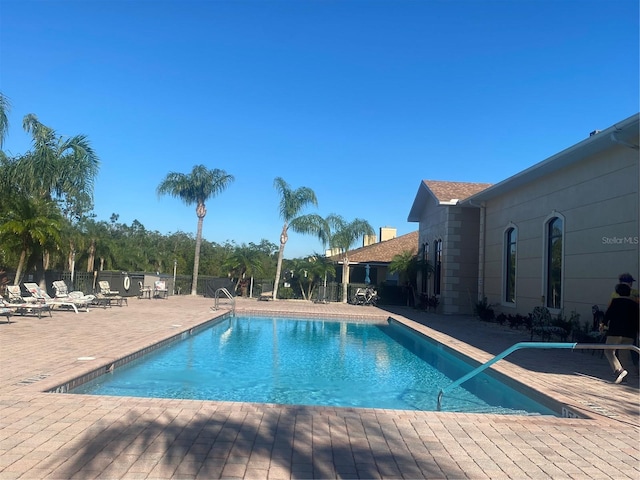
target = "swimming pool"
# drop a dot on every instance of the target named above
(319, 362)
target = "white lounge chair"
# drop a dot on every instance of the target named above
(77, 297)
(24, 305)
(71, 300)
(112, 296)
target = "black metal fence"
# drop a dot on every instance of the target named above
(87, 282)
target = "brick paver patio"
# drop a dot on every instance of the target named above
(60, 436)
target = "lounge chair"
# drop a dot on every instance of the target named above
(111, 296)
(77, 297)
(267, 292)
(5, 310)
(24, 305)
(62, 292)
(72, 300)
(160, 289)
(14, 295)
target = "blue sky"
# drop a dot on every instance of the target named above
(359, 100)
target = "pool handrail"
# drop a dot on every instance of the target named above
(521, 345)
(226, 294)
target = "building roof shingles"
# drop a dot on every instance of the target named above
(383, 252)
(448, 191)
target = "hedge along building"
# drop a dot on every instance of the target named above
(557, 234)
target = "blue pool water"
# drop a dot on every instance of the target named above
(311, 362)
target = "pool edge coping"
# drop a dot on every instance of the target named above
(107, 365)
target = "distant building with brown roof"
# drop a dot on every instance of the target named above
(377, 257)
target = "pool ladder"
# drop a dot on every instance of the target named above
(226, 293)
(518, 346)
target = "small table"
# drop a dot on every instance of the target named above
(145, 292)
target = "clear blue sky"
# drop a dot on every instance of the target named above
(358, 100)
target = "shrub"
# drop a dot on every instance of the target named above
(483, 310)
(286, 293)
(515, 321)
(432, 303)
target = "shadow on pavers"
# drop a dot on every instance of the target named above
(204, 444)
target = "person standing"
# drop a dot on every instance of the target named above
(627, 279)
(622, 317)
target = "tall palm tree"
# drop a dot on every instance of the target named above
(196, 187)
(344, 235)
(292, 202)
(58, 168)
(5, 106)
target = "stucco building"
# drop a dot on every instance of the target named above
(557, 234)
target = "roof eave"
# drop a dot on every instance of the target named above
(424, 192)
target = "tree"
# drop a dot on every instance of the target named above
(196, 187)
(292, 202)
(310, 272)
(5, 106)
(97, 235)
(244, 262)
(344, 235)
(407, 265)
(33, 225)
(58, 168)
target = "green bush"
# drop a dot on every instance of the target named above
(286, 293)
(483, 310)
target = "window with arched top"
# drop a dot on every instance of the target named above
(510, 257)
(554, 261)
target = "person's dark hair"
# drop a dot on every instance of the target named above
(623, 289)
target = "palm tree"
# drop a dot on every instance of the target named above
(5, 106)
(322, 267)
(407, 265)
(310, 272)
(196, 187)
(344, 235)
(58, 168)
(292, 202)
(244, 262)
(97, 236)
(32, 225)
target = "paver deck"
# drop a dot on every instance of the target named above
(60, 436)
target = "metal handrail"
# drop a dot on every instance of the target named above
(228, 295)
(521, 345)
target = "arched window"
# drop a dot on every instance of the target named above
(554, 259)
(437, 266)
(510, 248)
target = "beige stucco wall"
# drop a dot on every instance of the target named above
(458, 229)
(598, 199)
